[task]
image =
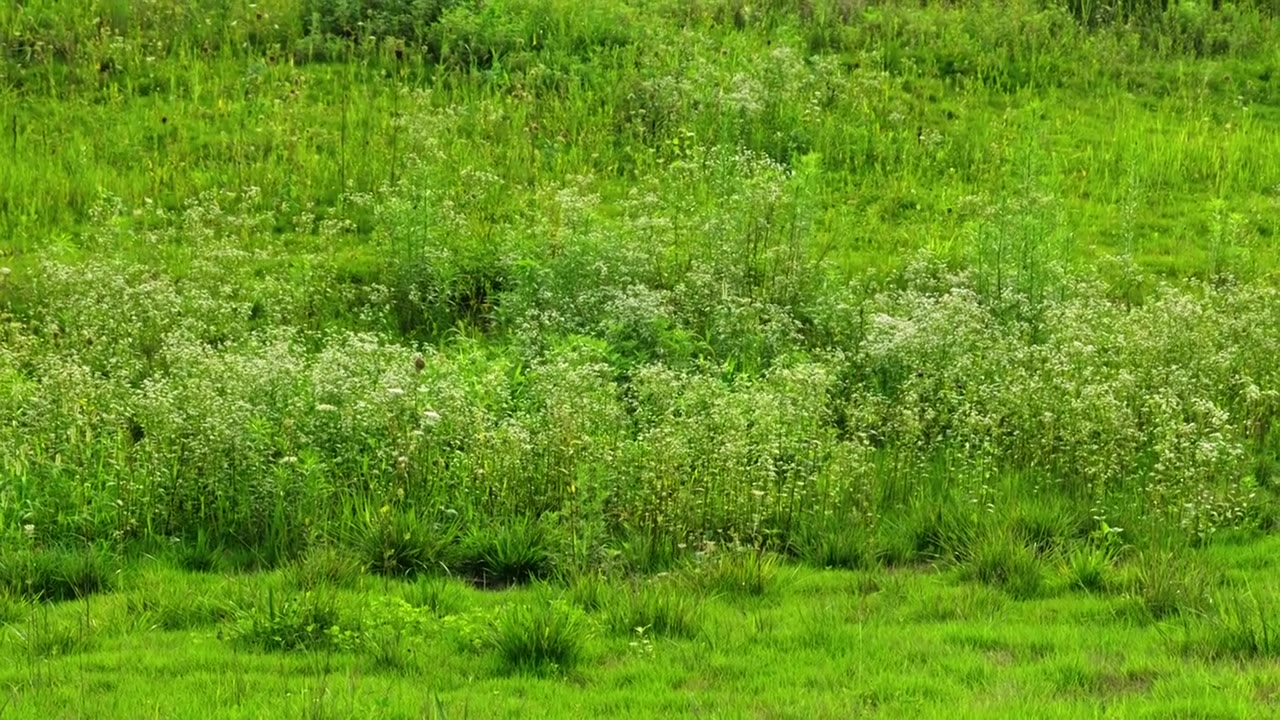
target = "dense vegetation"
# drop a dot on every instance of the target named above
(577, 293)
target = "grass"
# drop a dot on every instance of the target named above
(880, 645)
(922, 357)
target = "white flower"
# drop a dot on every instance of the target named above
(430, 417)
(325, 408)
(395, 391)
(4, 271)
(29, 530)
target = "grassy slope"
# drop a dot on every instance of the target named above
(923, 124)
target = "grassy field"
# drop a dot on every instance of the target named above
(449, 358)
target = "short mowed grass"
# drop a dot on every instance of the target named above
(544, 357)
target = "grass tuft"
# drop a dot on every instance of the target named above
(738, 571)
(511, 553)
(654, 610)
(325, 566)
(302, 622)
(543, 638)
(1000, 559)
(398, 543)
(441, 595)
(58, 574)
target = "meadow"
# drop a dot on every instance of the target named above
(788, 358)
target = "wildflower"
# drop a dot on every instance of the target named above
(325, 408)
(430, 417)
(28, 530)
(395, 391)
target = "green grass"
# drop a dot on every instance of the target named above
(785, 358)
(825, 642)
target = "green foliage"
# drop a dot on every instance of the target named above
(1001, 558)
(516, 551)
(41, 636)
(1167, 584)
(656, 609)
(1090, 569)
(834, 544)
(57, 574)
(739, 571)
(325, 566)
(1239, 625)
(439, 595)
(308, 621)
(539, 638)
(398, 543)
(12, 607)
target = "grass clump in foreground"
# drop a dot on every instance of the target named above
(546, 637)
(317, 300)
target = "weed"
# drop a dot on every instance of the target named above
(398, 543)
(43, 636)
(738, 571)
(1166, 584)
(1238, 625)
(1090, 569)
(837, 546)
(12, 607)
